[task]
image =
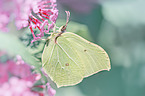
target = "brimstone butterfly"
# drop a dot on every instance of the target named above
(68, 58)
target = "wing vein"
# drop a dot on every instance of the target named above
(50, 56)
(67, 54)
(58, 59)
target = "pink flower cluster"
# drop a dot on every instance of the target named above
(16, 79)
(5, 12)
(17, 87)
(32, 13)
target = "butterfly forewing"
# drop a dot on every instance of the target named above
(94, 57)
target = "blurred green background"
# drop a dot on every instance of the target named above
(119, 27)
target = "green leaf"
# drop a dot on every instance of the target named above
(12, 45)
(72, 58)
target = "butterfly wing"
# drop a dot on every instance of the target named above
(94, 57)
(72, 58)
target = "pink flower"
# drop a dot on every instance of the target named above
(35, 14)
(17, 87)
(20, 70)
(3, 73)
(51, 91)
(4, 20)
(16, 79)
(5, 13)
(33, 77)
(32, 13)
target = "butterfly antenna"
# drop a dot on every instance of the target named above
(67, 21)
(64, 26)
(68, 16)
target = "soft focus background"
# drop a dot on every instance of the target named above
(119, 27)
(116, 25)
